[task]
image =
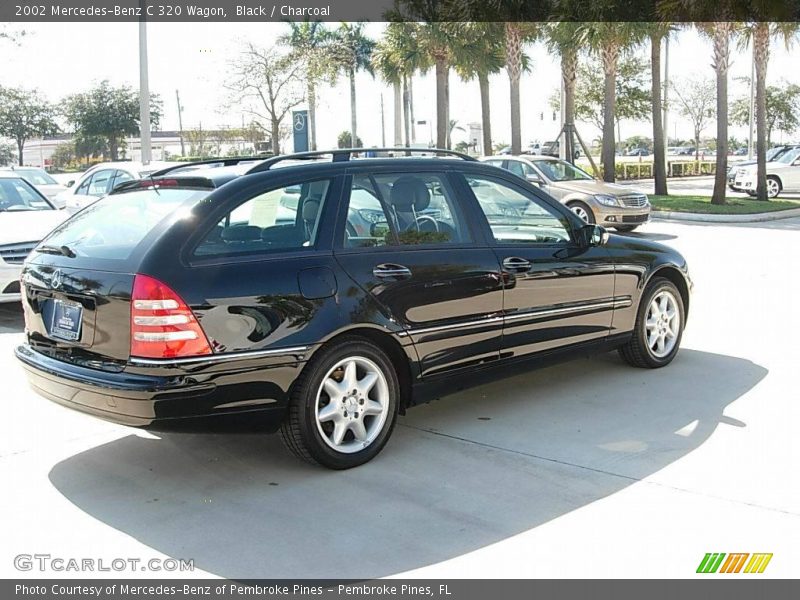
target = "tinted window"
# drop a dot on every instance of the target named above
(112, 227)
(286, 218)
(518, 218)
(406, 209)
(17, 194)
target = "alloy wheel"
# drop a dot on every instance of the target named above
(581, 212)
(663, 324)
(352, 404)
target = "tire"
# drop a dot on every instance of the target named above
(751, 194)
(773, 186)
(311, 434)
(582, 210)
(638, 352)
(625, 228)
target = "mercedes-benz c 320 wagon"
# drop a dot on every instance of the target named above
(323, 297)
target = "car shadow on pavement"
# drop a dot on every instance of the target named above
(11, 318)
(459, 474)
(647, 235)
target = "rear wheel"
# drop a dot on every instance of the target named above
(582, 210)
(659, 327)
(343, 408)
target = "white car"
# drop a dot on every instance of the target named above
(40, 179)
(783, 175)
(26, 217)
(101, 179)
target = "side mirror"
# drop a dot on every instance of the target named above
(593, 235)
(535, 179)
(70, 183)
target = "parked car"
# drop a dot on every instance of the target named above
(178, 300)
(637, 152)
(101, 179)
(592, 200)
(26, 216)
(773, 154)
(41, 180)
(783, 175)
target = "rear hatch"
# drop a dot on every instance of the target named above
(77, 283)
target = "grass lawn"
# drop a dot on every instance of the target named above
(734, 206)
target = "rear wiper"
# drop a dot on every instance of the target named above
(62, 250)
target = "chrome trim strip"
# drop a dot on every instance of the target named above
(220, 357)
(533, 314)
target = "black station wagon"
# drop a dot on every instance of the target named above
(323, 297)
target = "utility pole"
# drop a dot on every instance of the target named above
(180, 122)
(752, 102)
(383, 125)
(144, 91)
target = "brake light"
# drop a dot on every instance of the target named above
(147, 183)
(162, 325)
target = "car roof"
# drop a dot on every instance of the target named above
(519, 157)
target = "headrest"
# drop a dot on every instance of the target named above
(245, 233)
(409, 192)
(310, 209)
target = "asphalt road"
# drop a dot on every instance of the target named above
(587, 469)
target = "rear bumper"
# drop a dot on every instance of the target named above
(194, 400)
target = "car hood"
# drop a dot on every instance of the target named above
(51, 190)
(771, 166)
(28, 225)
(592, 186)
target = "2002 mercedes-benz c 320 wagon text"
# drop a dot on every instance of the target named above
(324, 297)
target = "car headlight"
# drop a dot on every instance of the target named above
(607, 200)
(372, 216)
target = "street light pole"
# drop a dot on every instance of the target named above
(180, 122)
(144, 94)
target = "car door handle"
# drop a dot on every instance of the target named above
(391, 271)
(515, 264)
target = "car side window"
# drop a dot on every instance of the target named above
(280, 219)
(83, 188)
(403, 209)
(518, 218)
(517, 168)
(121, 177)
(101, 183)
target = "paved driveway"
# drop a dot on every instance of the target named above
(590, 468)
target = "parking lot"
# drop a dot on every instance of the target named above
(590, 468)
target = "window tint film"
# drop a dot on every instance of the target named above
(516, 218)
(405, 209)
(286, 218)
(113, 227)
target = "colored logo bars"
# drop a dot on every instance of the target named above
(718, 563)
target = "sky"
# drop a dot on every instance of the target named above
(62, 59)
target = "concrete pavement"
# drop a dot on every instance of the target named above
(587, 469)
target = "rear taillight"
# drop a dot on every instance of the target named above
(162, 325)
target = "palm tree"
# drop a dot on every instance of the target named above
(310, 44)
(481, 56)
(392, 72)
(759, 33)
(657, 31)
(609, 40)
(353, 52)
(516, 35)
(565, 38)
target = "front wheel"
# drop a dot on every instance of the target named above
(582, 210)
(343, 407)
(773, 187)
(659, 326)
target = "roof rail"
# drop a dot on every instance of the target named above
(227, 161)
(345, 154)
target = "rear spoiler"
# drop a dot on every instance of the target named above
(153, 182)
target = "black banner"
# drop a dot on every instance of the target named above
(397, 10)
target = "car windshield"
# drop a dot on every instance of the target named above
(113, 227)
(16, 195)
(559, 170)
(36, 176)
(776, 153)
(790, 156)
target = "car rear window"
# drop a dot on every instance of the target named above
(114, 226)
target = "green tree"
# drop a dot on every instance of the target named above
(104, 116)
(482, 55)
(657, 31)
(7, 154)
(24, 114)
(782, 106)
(353, 52)
(517, 34)
(310, 43)
(345, 140)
